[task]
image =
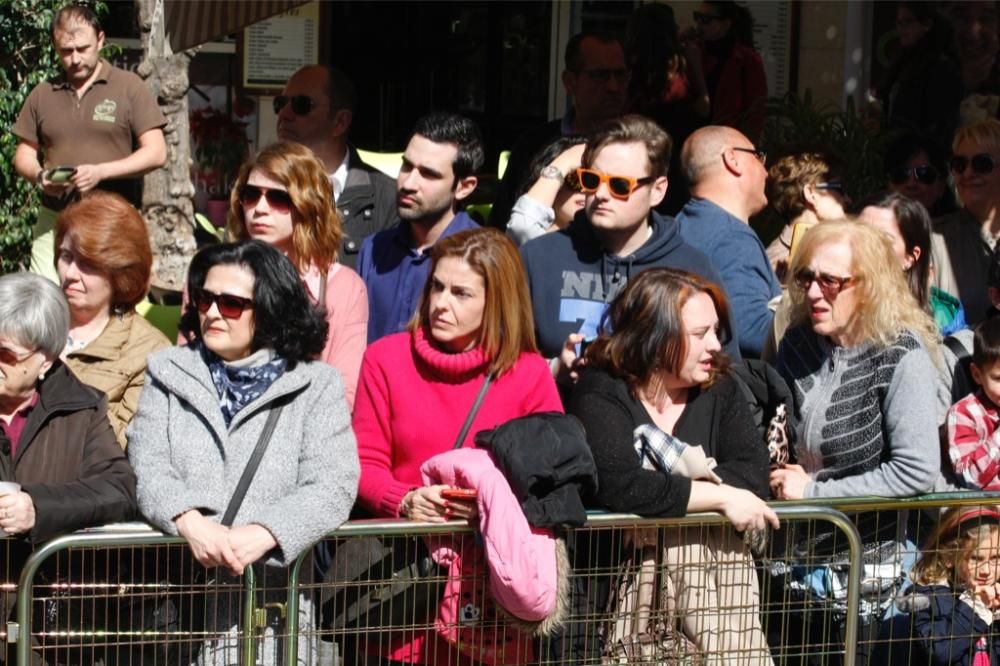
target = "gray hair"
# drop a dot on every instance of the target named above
(33, 312)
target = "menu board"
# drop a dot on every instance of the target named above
(772, 34)
(273, 49)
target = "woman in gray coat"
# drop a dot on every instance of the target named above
(204, 407)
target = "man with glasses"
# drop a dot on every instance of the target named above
(963, 242)
(315, 108)
(438, 173)
(727, 177)
(573, 274)
(597, 78)
(101, 124)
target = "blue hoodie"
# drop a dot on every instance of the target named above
(572, 278)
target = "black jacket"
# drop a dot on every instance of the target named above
(367, 205)
(548, 465)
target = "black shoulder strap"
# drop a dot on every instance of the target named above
(473, 411)
(957, 348)
(252, 465)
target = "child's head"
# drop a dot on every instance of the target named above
(964, 549)
(986, 358)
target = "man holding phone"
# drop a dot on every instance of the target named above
(96, 126)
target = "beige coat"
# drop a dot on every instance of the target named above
(115, 362)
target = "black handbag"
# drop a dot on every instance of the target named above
(379, 587)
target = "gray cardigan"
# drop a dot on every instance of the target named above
(185, 458)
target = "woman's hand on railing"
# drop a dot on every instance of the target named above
(17, 513)
(209, 541)
(746, 511)
(789, 482)
(250, 543)
(425, 504)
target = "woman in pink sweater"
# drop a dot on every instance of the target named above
(417, 387)
(284, 198)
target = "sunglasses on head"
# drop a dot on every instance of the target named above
(301, 104)
(830, 285)
(981, 163)
(924, 173)
(279, 200)
(619, 187)
(230, 306)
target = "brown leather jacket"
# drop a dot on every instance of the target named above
(68, 460)
(115, 362)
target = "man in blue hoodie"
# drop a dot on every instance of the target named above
(439, 170)
(573, 274)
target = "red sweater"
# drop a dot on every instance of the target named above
(413, 399)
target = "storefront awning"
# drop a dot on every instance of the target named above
(189, 23)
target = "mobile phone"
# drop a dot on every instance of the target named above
(60, 174)
(467, 494)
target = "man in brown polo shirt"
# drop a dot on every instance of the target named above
(99, 119)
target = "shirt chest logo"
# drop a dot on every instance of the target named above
(105, 111)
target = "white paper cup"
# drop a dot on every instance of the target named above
(8, 488)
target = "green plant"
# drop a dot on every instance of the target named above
(26, 59)
(795, 121)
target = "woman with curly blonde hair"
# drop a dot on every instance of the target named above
(803, 188)
(858, 357)
(284, 198)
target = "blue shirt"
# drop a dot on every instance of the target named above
(737, 253)
(395, 272)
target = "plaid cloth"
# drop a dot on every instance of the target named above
(974, 441)
(657, 449)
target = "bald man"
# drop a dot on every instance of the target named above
(315, 109)
(726, 174)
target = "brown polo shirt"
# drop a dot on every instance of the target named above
(101, 126)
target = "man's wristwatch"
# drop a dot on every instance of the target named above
(552, 172)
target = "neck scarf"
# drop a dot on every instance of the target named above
(241, 382)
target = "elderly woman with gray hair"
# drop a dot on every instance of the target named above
(55, 437)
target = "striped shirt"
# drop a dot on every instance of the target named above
(974, 441)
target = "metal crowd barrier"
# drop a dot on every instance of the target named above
(676, 591)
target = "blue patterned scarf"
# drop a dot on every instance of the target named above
(240, 384)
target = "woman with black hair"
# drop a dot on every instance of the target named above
(203, 410)
(550, 195)
(916, 166)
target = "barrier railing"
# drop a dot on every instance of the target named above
(129, 594)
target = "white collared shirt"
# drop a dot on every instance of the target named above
(339, 177)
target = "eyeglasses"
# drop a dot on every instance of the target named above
(572, 182)
(10, 357)
(830, 285)
(831, 186)
(301, 104)
(230, 306)
(279, 200)
(703, 18)
(760, 154)
(619, 187)
(622, 76)
(981, 163)
(923, 173)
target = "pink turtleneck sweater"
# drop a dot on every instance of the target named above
(413, 399)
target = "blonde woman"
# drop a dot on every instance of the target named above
(858, 359)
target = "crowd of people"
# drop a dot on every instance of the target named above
(352, 332)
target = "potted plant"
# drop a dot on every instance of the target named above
(221, 146)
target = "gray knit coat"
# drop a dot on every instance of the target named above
(185, 457)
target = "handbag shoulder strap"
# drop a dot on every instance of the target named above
(248, 472)
(473, 411)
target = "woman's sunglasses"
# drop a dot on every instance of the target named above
(981, 163)
(924, 173)
(301, 104)
(620, 187)
(279, 200)
(830, 285)
(10, 357)
(230, 306)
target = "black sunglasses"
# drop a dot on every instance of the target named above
(830, 285)
(702, 17)
(924, 173)
(301, 104)
(831, 186)
(760, 154)
(981, 163)
(280, 201)
(572, 182)
(230, 306)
